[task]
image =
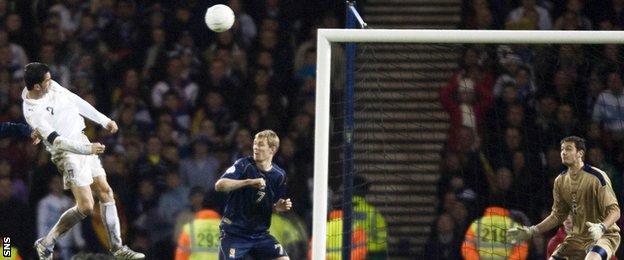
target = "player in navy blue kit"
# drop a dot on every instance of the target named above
(255, 188)
(15, 130)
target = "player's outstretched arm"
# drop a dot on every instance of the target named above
(14, 129)
(84, 108)
(523, 233)
(227, 185)
(65, 144)
(549, 223)
(520, 234)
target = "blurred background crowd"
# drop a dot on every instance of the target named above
(187, 102)
(523, 99)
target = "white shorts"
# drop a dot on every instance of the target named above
(78, 170)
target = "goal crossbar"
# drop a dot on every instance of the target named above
(323, 71)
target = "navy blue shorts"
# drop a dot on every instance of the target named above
(263, 247)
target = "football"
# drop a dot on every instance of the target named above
(219, 18)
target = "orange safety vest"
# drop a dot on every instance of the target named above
(486, 238)
(185, 248)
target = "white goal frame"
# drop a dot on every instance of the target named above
(323, 71)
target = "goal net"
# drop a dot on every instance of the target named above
(446, 124)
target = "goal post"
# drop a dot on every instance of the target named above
(323, 81)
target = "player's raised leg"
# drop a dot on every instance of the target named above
(110, 219)
(71, 217)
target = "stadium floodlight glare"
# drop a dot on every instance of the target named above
(322, 120)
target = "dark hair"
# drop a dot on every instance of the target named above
(34, 73)
(579, 142)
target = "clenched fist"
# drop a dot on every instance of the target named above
(112, 127)
(258, 183)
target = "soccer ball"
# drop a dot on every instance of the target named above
(219, 18)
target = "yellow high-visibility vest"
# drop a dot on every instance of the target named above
(204, 235)
(490, 232)
(365, 216)
(334, 241)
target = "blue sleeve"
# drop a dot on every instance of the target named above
(235, 172)
(14, 130)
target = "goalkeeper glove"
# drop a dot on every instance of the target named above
(520, 234)
(596, 230)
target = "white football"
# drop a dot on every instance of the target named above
(219, 18)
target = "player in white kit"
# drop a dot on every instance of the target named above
(57, 115)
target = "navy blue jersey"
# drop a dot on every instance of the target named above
(14, 130)
(248, 209)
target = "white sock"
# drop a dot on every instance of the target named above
(108, 211)
(69, 218)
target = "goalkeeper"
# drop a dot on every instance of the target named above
(584, 192)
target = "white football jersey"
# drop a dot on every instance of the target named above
(60, 111)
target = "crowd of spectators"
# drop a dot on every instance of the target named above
(510, 105)
(187, 102)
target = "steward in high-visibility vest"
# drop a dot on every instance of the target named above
(290, 231)
(200, 238)
(486, 238)
(14, 255)
(334, 239)
(367, 217)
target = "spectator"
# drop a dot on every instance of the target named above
(443, 243)
(155, 54)
(563, 85)
(522, 81)
(370, 220)
(18, 186)
(466, 102)
(334, 241)
(49, 209)
(227, 49)
(594, 87)
(477, 15)
(196, 199)
(174, 106)
(151, 165)
(245, 27)
(298, 175)
(205, 227)
(219, 80)
(146, 198)
(201, 169)
(241, 146)
(596, 156)
(529, 16)
(21, 232)
(566, 124)
(607, 107)
(187, 89)
(172, 202)
(214, 110)
(17, 51)
(495, 222)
